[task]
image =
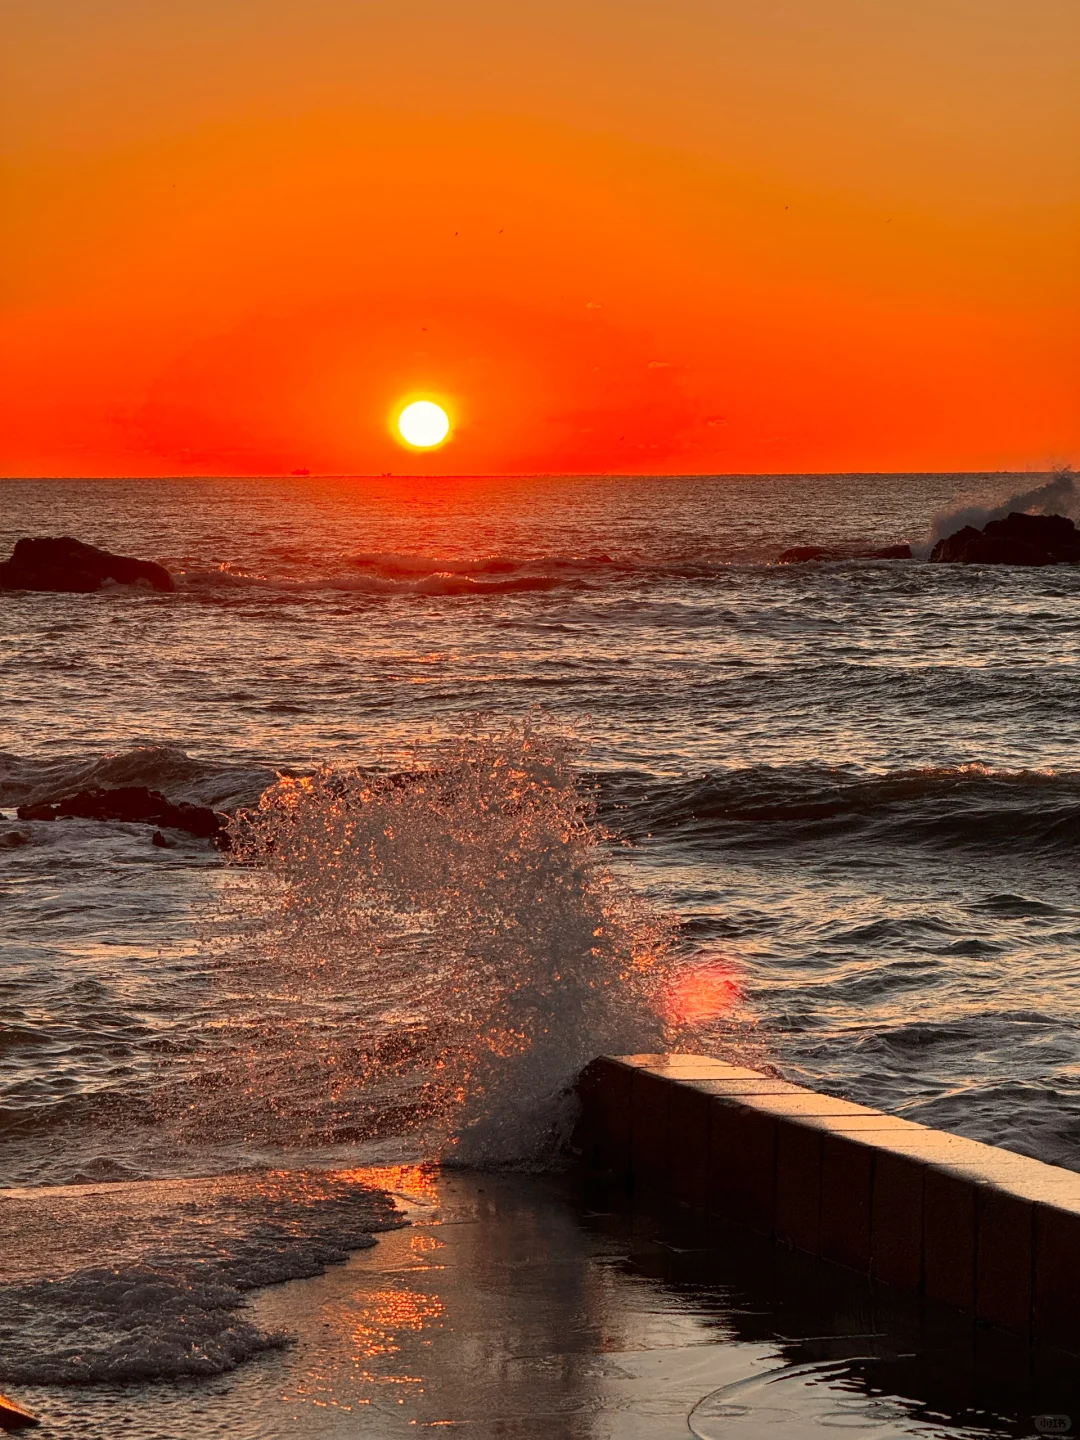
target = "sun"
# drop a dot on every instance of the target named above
(423, 424)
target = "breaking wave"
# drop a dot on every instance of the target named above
(438, 952)
(427, 958)
(183, 778)
(1058, 496)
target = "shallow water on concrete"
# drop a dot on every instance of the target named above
(516, 1306)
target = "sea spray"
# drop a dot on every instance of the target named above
(1057, 496)
(438, 951)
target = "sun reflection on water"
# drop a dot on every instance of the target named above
(416, 1184)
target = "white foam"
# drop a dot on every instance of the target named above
(150, 1281)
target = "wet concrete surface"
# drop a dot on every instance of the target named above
(521, 1306)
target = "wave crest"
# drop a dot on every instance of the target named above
(179, 776)
(423, 577)
(970, 805)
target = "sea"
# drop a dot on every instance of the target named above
(516, 770)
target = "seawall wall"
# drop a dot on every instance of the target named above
(968, 1224)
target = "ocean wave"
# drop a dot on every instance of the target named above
(433, 582)
(150, 1281)
(167, 768)
(392, 564)
(974, 806)
(457, 919)
(391, 573)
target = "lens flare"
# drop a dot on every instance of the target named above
(706, 992)
(423, 424)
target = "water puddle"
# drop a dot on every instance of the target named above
(790, 1400)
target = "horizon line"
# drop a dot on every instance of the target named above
(1056, 469)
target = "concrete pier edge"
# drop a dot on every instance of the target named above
(968, 1224)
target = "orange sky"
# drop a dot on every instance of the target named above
(639, 235)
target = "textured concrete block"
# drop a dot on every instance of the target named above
(750, 1084)
(649, 1133)
(1001, 1356)
(1054, 1384)
(688, 1067)
(1057, 1275)
(949, 1238)
(742, 1165)
(847, 1174)
(804, 1104)
(871, 1125)
(1004, 1258)
(896, 1220)
(605, 1089)
(1033, 1180)
(688, 1125)
(985, 1164)
(798, 1187)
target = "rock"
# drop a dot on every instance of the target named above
(12, 839)
(890, 552)
(1016, 540)
(954, 549)
(158, 839)
(137, 804)
(61, 563)
(14, 1416)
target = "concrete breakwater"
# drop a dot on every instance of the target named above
(967, 1224)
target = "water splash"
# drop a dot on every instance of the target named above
(439, 951)
(1058, 496)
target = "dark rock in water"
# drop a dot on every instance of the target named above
(158, 839)
(137, 804)
(12, 839)
(958, 547)
(803, 554)
(61, 563)
(14, 1417)
(1016, 540)
(890, 552)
